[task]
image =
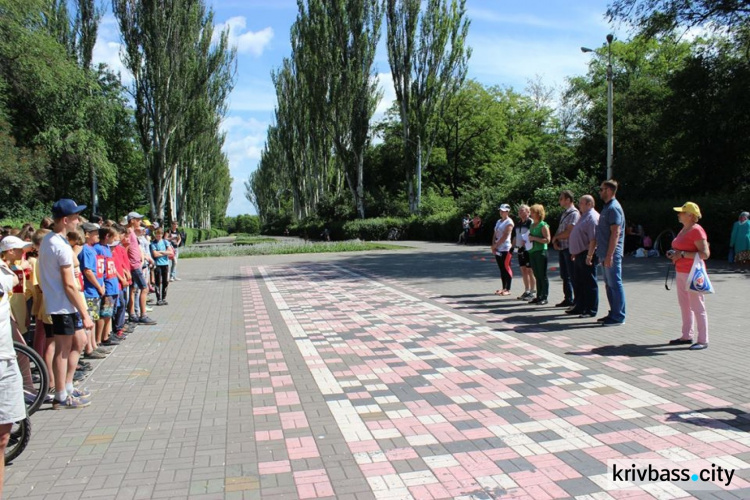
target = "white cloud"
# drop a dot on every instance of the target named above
(108, 47)
(252, 42)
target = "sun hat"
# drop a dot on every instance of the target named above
(690, 208)
(12, 243)
(65, 207)
(504, 207)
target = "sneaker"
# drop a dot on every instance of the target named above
(119, 335)
(680, 341)
(164, 303)
(95, 355)
(530, 296)
(523, 296)
(84, 363)
(110, 342)
(611, 322)
(70, 403)
(148, 310)
(103, 350)
(79, 375)
(534, 301)
(81, 393)
(177, 279)
(698, 346)
(542, 302)
(84, 368)
(145, 320)
(159, 302)
(171, 280)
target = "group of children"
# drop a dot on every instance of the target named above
(105, 267)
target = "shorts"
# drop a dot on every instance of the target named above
(139, 281)
(523, 258)
(107, 308)
(49, 331)
(93, 306)
(66, 324)
(12, 404)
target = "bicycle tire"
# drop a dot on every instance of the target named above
(663, 242)
(20, 435)
(34, 388)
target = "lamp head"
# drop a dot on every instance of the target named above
(610, 37)
(586, 49)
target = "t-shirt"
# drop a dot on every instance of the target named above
(685, 242)
(111, 283)
(537, 231)
(500, 227)
(173, 237)
(160, 246)
(611, 215)
(91, 260)
(521, 229)
(7, 351)
(134, 251)
(55, 252)
(121, 259)
(145, 248)
(569, 218)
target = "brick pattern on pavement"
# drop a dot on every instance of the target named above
(393, 375)
(435, 405)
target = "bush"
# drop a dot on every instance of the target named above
(246, 223)
(193, 235)
(372, 229)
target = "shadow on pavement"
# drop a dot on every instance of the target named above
(716, 418)
(630, 350)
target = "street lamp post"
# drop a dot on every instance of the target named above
(610, 98)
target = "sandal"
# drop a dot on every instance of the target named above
(499, 292)
(505, 292)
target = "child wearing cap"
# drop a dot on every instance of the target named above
(111, 283)
(92, 268)
(160, 251)
(13, 253)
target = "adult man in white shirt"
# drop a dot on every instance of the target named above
(64, 303)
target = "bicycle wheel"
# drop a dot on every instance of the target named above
(20, 434)
(34, 374)
(663, 242)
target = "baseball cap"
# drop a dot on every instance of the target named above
(134, 215)
(156, 225)
(12, 243)
(745, 214)
(690, 208)
(504, 207)
(65, 207)
(146, 222)
(89, 227)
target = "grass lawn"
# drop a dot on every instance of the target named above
(277, 248)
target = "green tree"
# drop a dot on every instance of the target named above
(169, 51)
(426, 73)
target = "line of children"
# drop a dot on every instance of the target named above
(105, 289)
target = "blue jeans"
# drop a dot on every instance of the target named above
(566, 274)
(615, 290)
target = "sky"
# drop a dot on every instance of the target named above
(512, 41)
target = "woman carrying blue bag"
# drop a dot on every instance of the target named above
(690, 241)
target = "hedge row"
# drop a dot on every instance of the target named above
(655, 215)
(193, 235)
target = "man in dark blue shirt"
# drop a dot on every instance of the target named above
(610, 241)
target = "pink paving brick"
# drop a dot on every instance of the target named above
(265, 410)
(377, 469)
(707, 398)
(401, 454)
(302, 447)
(293, 420)
(287, 398)
(658, 380)
(363, 446)
(278, 467)
(268, 435)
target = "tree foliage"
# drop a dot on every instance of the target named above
(427, 71)
(181, 82)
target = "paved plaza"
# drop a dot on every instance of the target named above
(390, 375)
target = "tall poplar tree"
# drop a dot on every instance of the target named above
(427, 71)
(169, 51)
